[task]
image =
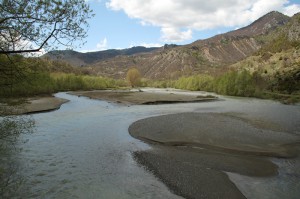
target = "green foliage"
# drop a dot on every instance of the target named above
(194, 83)
(231, 83)
(287, 82)
(46, 83)
(277, 44)
(224, 41)
(64, 82)
(22, 76)
(42, 23)
(236, 84)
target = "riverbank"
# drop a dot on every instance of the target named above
(193, 151)
(143, 97)
(33, 105)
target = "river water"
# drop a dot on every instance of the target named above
(83, 150)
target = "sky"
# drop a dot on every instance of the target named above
(120, 24)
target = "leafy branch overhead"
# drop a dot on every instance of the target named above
(30, 26)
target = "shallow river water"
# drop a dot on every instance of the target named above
(83, 150)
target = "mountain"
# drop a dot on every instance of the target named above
(202, 56)
(263, 25)
(83, 59)
(279, 55)
(209, 56)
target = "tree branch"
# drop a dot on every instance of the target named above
(31, 50)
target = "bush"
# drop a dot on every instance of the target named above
(236, 84)
(231, 83)
(133, 77)
(195, 83)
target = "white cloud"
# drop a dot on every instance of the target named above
(179, 18)
(291, 10)
(93, 1)
(172, 34)
(28, 45)
(147, 45)
(102, 45)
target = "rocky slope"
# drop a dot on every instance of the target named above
(280, 52)
(209, 56)
(202, 56)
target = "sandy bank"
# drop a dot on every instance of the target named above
(136, 97)
(193, 151)
(213, 131)
(36, 105)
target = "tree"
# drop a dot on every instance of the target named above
(133, 77)
(30, 26)
(33, 26)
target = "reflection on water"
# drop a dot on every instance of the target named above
(83, 150)
(10, 129)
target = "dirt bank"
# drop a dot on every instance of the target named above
(35, 105)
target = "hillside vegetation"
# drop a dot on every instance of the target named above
(39, 76)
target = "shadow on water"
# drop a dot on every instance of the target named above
(11, 127)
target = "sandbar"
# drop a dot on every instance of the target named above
(192, 152)
(35, 105)
(145, 98)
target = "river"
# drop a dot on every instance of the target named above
(83, 150)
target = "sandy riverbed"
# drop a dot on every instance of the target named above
(136, 97)
(193, 151)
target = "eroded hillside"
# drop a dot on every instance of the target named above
(249, 46)
(209, 56)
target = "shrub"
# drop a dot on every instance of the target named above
(133, 77)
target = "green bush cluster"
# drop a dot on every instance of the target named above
(195, 83)
(287, 82)
(22, 76)
(233, 83)
(236, 84)
(46, 83)
(64, 82)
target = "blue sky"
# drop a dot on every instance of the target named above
(127, 23)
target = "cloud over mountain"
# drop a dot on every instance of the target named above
(179, 18)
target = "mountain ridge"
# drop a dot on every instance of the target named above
(208, 56)
(81, 59)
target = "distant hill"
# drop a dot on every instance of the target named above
(202, 56)
(209, 56)
(83, 59)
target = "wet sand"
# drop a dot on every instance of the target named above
(193, 151)
(36, 105)
(136, 97)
